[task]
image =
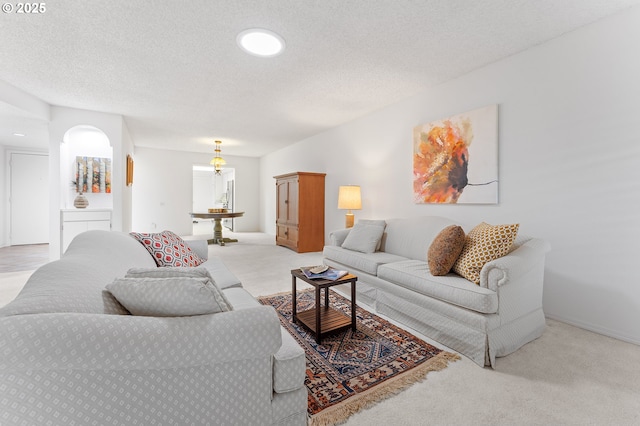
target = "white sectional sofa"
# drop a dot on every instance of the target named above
(72, 355)
(484, 321)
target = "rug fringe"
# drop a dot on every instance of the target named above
(341, 412)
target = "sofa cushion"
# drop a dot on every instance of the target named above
(483, 244)
(169, 297)
(168, 249)
(365, 262)
(215, 267)
(220, 273)
(363, 238)
(445, 249)
(414, 275)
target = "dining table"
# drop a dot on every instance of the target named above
(217, 225)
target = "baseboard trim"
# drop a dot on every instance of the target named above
(596, 329)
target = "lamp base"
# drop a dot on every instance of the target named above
(348, 223)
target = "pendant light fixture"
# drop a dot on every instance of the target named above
(217, 162)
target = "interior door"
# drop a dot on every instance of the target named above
(29, 198)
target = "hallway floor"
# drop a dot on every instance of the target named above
(23, 258)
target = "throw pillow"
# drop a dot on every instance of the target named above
(168, 271)
(168, 249)
(171, 272)
(445, 249)
(483, 244)
(168, 297)
(376, 222)
(363, 238)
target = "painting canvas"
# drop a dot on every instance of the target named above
(455, 160)
(93, 175)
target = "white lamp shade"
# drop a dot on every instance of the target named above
(349, 197)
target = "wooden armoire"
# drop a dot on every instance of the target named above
(300, 211)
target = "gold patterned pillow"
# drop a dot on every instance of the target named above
(445, 249)
(483, 244)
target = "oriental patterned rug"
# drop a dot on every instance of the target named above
(352, 370)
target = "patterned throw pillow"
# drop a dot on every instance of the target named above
(168, 249)
(445, 249)
(168, 297)
(483, 244)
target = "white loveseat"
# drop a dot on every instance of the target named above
(72, 355)
(482, 322)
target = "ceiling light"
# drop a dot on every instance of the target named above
(260, 42)
(217, 162)
(19, 134)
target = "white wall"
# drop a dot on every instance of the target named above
(4, 202)
(569, 155)
(163, 190)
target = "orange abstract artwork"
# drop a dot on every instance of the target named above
(440, 163)
(442, 159)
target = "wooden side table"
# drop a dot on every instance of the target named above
(323, 319)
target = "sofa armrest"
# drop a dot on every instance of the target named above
(508, 268)
(123, 342)
(289, 365)
(201, 247)
(337, 237)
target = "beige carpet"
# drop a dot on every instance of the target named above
(568, 376)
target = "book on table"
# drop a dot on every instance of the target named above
(330, 274)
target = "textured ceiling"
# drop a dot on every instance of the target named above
(174, 71)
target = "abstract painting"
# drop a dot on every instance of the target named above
(455, 160)
(93, 174)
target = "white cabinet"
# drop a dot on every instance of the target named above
(74, 222)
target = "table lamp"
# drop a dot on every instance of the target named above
(349, 199)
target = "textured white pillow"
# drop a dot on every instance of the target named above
(176, 271)
(169, 297)
(376, 222)
(168, 271)
(363, 238)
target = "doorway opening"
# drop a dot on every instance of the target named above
(212, 191)
(29, 198)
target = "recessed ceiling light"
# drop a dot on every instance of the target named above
(19, 134)
(260, 42)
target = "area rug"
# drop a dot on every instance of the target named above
(352, 370)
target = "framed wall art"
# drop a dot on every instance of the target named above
(455, 159)
(129, 176)
(93, 175)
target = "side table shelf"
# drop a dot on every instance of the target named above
(330, 318)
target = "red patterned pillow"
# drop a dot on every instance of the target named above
(168, 249)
